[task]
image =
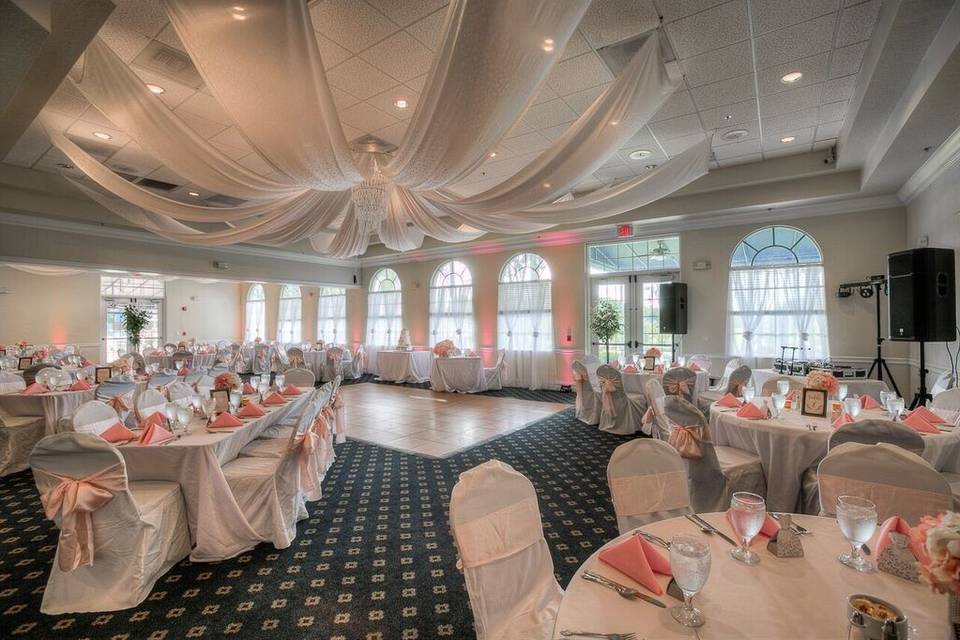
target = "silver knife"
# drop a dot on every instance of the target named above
(714, 529)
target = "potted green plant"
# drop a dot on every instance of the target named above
(134, 321)
(606, 323)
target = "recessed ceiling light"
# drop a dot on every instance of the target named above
(493, 154)
(400, 104)
(735, 134)
(791, 77)
(640, 154)
(548, 45)
(546, 185)
(238, 13)
(193, 193)
(728, 116)
(155, 88)
(651, 166)
(102, 135)
(787, 139)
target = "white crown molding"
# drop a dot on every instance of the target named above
(945, 157)
(670, 224)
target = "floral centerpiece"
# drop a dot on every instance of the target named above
(822, 380)
(939, 537)
(227, 381)
(653, 352)
(444, 348)
(23, 344)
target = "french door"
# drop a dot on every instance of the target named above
(114, 336)
(637, 296)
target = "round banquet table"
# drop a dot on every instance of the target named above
(633, 383)
(457, 373)
(404, 366)
(858, 386)
(777, 598)
(52, 405)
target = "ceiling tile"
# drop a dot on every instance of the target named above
(351, 23)
(67, 100)
(552, 133)
(125, 43)
(231, 152)
(678, 104)
(722, 152)
(677, 127)
(609, 21)
(527, 142)
(857, 22)
(50, 160)
(804, 138)
(145, 17)
(331, 53)
(740, 112)
(82, 130)
(549, 114)
(231, 137)
(404, 12)
(833, 111)
(642, 138)
(168, 36)
(166, 175)
(201, 126)
(814, 70)
(614, 173)
(581, 100)
(386, 101)
(205, 106)
(94, 116)
(710, 29)
(400, 56)
(342, 99)
(770, 15)
(791, 121)
(577, 74)
(576, 46)
(829, 130)
(417, 84)
(839, 88)
(847, 60)
(721, 64)
(745, 159)
(545, 94)
(796, 42)
(752, 128)
(173, 94)
(359, 78)
(723, 92)
(393, 133)
(351, 133)
(34, 142)
(429, 30)
(793, 150)
(824, 144)
(675, 9)
(791, 100)
(365, 117)
(679, 145)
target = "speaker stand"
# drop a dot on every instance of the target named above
(879, 363)
(920, 399)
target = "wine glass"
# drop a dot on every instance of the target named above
(170, 409)
(747, 513)
(254, 381)
(235, 398)
(636, 358)
(183, 417)
(841, 391)
(885, 397)
(279, 380)
(857, 518)
(779, 402)
(195, 402)
(690, 564)
(749, 391)
(851, 406)
(783, 386)
(895, 407)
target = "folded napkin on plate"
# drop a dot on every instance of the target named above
(631, 368)
(729, 400)
(275, 398)
(34, 389)
(155, 434)
(751, 411)
(118, 433)
(183, 372)
(917, 423)
(248, 389)
(635, 557)
(80, 385)
(251, 410)
(226, 419)
(843, 419)
(693, 366)
(927, 415)
(154, 418)
(867, 402)
(290, 390)
(769, 529)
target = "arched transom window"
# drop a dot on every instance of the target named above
(384, 308)
(332, 315)
(451, 305)
(525, 318)
(255, 313)
(290, 316)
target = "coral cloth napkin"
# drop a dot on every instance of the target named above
(80, 385)
(118, 433)
(751, 412)
(635, 557)
(183, 372)
(155, 434)
(917, 423)
(248, 389)
(631, 368)
(769, 529)
(275, 398)
(154, 418)
(927, 415)
(895, 524)
(226, 419)
(729, 400)
(34, 389)
(290, 390)
(867, 402)
(842, 420)
(251, 410)
(693, 366)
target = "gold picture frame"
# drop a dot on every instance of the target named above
(814, 403)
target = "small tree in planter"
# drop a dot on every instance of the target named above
(134, 322)
(606, 323)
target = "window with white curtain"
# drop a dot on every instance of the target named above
(525, 318)
(332, 315)
(384, 309)
(776, 295)
(255, 315)
(451, 305)
(290, 317)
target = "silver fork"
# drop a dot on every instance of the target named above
(587, 634)
(649, 537)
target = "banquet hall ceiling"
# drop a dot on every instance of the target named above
(376, 52)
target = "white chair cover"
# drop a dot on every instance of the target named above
(738, 379)
(333, 363)
(949, 399)
(900, 483)
(94, 417)
(148, 402)
(204, 385)
(648, 482)
(680, 381)
(875, 431)
(493, 376)
(300, 377)
(18, 435)
(116, 538)
(506, 563)
(295, 356)
(185, 356)
(944, 381)
(261, 359)
(703, 361)
(620, 412)
(359, 364)
(588, 398)
(180, 392)
(11, 382)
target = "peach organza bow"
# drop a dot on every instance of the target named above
(335, 402)
(686, 440)
(334, 356)
(118, 403)
(678, 387)
(578, 387)
(309, 474)
(75, 501)
(329, 417)
(320, 426)
(609, 387)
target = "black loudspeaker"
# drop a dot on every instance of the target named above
(922, 289)
(673, 308)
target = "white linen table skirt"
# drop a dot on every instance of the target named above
(315, 361)
(166, 362)
(404, 366)
(777, 598)
(858, 386)
(463, 374)
(52, 406)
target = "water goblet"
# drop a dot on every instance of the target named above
(254, 381)
(857, 518)
(183, 418)
(690, 564)
(747, 513)
(170, 409)
(279, 380)
(195, 402)
(895, 407)
(783, 386)
(779, 402)
(851, 406)
(884, 397)
(749, 391)
(235, 398)
(636, 358)
(841, 391)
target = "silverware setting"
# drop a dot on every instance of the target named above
(709, 529)
(566, 633)
(800, 530)
(623, 590)
(649, 537)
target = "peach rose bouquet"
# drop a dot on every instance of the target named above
(653, 352)
(822, 380)
(227, 381)
(939, 536)
(444, 348)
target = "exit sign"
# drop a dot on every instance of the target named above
(625, 231)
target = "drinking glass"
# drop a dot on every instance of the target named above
(841, 391)
(254, 381)
(885, 397)
(171, 410)
(779, 402)
(183, 417)
(682, 361)
(895, 407)
(195, 402)
(690, 564)
(749, 391)
(279, 380)
(851, 406)
(857, 518)
(235, 397)
(783, 386)
(636, 358)
(178, 364)
(747, 513)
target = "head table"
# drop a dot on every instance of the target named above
(404, 366)
(777, 598)
(457, 373)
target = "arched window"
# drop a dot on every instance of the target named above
(290, 318)
(255, 314)
(384, 309)
(451, 305)
(525, 311)
(332, 315)
(777, 296)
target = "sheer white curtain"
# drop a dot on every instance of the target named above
(384, 309)
(255, 314)
(525, 322)
(332, 315)
(451, 305)
(290, 317)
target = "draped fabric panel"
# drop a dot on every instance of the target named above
(394, 231)
(525, 316)
(351, 239)
(332, 318)
(260, 59)
(491, 63)
(384, 318)
(290, 316)
(451, 315)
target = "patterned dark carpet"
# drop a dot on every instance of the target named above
(374, 561)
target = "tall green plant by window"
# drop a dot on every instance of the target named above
(606, 323)
(135, 320)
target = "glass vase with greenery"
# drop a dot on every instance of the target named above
(606, 323)
(134, 321)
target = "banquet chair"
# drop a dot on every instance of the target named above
(732, 365)
(300, 377)
(620, 412)
(279, 362)
(8, 363)
(18, 435)
(180, 391)
(714, 472)
(137, 531)
(295, 356)
(137, 363)
(169, 348)
(261, 359)
(702, 360)
(186, 356)
(11, 382)
(899, 482)
(648, 482)
(770, 387)
(680, 381)
(495, 520)
(736, 379)
(333, 363)
(949, 399)
(944, 381)
(94, 417)
(493, 376)
(588, 398)
(359, 361)
(149, 402)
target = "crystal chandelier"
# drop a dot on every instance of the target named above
(369, 200)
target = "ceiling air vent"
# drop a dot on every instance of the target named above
(159, 185)
(169, 62)
(227, 201)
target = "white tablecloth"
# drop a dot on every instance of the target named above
(457, 374)
(166, 362)
(217, 525)
(858, 386)
(633, 383)
(404, 366)
(778, 598)
(52, 406)
(315, 360)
